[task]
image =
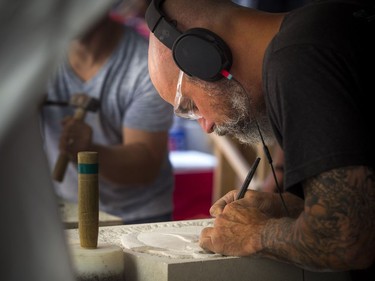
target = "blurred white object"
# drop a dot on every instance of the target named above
(192, 161)
(34, 34)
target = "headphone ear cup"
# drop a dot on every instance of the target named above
(202, 54)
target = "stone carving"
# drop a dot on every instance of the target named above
(178, 239)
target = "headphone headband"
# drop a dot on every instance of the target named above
(165, 30)
(198, 52)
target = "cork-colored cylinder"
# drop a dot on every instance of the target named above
(88, 199)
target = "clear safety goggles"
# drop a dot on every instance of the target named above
(184, 106)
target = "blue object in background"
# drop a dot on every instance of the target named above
(177, 135)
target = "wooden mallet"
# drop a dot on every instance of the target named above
(83, 103)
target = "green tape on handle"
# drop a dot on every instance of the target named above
(88, 169)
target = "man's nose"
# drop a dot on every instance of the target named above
(206, 125)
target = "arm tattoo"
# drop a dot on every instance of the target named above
(337, 224)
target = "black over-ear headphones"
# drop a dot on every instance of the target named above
(198, 51)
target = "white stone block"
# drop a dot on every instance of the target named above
(151, 263)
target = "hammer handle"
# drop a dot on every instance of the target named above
(60, 167)
(79, 114)
(63, 158)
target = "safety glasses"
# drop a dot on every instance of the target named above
(184, 106)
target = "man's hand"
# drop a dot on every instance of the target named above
(238, 224)
(76, 136)
(266, 202)
(236, 230)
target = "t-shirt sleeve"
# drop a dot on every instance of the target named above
(147, 110)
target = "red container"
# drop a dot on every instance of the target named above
(193, 171)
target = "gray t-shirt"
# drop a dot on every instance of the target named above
(128, 99)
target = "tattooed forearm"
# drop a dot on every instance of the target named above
(336, 229)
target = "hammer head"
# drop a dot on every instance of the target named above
(85, 102)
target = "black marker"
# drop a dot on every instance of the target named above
(248, 179)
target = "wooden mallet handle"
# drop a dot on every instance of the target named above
(88, 199)
(60, 166)
(63, 158)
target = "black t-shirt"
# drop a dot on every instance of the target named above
(318, 90)
(318, 78)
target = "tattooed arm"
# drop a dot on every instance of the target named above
(335, 231)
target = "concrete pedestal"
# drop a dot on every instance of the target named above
(143, 266)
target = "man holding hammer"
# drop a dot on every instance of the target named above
(104, 76)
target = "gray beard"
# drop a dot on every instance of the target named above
(246, 130)
(242, 125)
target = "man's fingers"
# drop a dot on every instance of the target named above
(218, 207)
(205, 241)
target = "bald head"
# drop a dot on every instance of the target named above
(196, 13)
(162, 68)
